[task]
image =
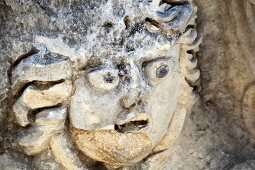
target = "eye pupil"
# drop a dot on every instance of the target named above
(109, 78)
(162, 71)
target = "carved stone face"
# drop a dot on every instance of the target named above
(125, 90)
(127, 97)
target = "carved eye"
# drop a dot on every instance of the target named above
(104, 78)
(162, 71)
(156, 70)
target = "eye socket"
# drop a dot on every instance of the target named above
(104, 78)
(156, 70)
(162, 71)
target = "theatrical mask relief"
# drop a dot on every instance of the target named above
(120, 101)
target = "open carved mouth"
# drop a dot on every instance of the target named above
(136, 123)
(131, 126)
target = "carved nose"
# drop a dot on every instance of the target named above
(131, 100)
(135, 87)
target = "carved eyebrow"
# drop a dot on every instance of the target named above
(161, 58)
(100, 67)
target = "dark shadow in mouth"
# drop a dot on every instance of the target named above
(131, 126)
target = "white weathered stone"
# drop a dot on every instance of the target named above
(32, 99)
(51, 116)
(47, 124)
(39, 67)
(127, 89)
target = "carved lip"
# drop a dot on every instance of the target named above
(132, 122)
(120, 144)
(111, 147)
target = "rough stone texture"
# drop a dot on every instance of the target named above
(126, 76)
(215, 135)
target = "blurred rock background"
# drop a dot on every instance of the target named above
(215, 135)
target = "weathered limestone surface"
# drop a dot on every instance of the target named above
(219, 134)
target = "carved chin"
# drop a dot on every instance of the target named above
(111, 147)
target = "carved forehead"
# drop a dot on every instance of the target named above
(74, 19)
(88, 16)
(96, 27)
(124, 44)
(92, 15)
(143, 49)
(142, 54)
(121, 28)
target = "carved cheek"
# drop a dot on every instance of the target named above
(163, 102)
(162, 99)
(90, 109)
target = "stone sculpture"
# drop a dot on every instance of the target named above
(117, 101)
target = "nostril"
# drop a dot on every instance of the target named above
(127, 104)
(132, 105)
(131, 100)
(140, 102)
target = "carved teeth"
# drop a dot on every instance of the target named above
(108, 127)
(141, 117)
(133, 117)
